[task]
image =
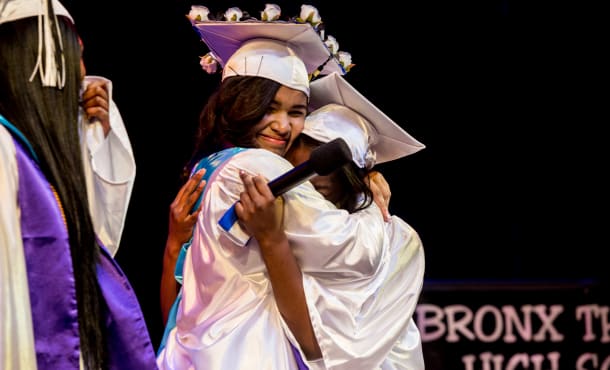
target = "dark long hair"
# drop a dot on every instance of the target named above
(48, 118)
(239, 103)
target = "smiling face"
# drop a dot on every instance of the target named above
(283, 121)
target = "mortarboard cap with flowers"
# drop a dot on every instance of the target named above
(291, 52)
(342, 111)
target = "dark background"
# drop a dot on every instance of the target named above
(505, 94)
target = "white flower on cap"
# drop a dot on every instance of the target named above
(289, 52)
(233, 14)
(310, 14)
(271, 13)
(198, 13)
(332, 44)
(345, 59)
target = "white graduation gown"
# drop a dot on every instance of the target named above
(356, 285)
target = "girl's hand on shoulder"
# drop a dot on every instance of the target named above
(381, 192)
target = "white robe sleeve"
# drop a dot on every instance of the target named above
(347, 246)
(16, 332)
(228, 304)
(407, 353)
(362, 277)
(110, 171)
(359, 322)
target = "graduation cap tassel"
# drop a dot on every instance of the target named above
(46, 66)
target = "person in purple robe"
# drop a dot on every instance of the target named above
(64, 302)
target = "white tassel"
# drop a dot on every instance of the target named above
(50, 74)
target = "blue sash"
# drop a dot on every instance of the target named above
(211, 163)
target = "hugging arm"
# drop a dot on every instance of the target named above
(381, 192)
(261, 212)
(182, 220)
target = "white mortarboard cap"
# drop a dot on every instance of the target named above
(11, 10)
(285, 52)
(372, 136)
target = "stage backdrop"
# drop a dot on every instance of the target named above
(512, 183)
(506, 325)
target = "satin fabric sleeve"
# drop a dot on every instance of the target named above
(362, 277)
(359, 322)
(407, 353)
(227, 305)
(327, 241)
(229, 298)
(110, 171)
(16, 332)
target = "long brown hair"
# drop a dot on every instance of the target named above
(239, 103)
